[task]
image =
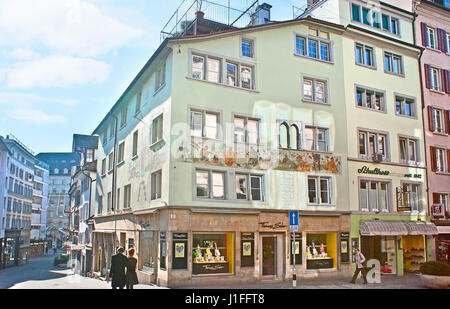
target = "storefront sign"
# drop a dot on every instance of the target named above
(438, 210)
(418, 176)
(180, 236)
(278, 225)
(376, 171)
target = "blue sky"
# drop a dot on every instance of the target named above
(64, 63)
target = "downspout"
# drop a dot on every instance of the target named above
(114, 180)
(89, 213)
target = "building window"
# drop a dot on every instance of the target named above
(319, 190)
(249, 187)
(371, 99)
(111, 130)
(214, 70)
(316, 47)
(374, 196)
(104, 167)
(120, 157)
(205, 124)
(232, 78)
(431, 37)
(156, 184)
(157, 129)
(372, 18)
(435, 79)
(111, 161)
(246, 77)
(439, 159)
(123, 117)
(411, 196)
(373, 146)
(127, 197)
(56, 171)
(90, 155)
(246, 130)
(138, 103)
(198, 67)
(405, 106)
(356, 13)
(210, 184)
(160, 77)
(135, 143)
(289, 135)
(364, 55)
(393, 63)
(315, 90)
(109, 205)
(316, 139)
(439, 198)
(408, 150)
(247, 48)
(439, 120)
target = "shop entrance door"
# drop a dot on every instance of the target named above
(269, 255)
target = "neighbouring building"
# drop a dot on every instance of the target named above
(433, 34)
(81, 225)
(386, 154)
(4, 155)
(61, 165)
(39, 211)
(18, 174)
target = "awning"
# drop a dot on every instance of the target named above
(392, 228)
(382, 228)
(443, 229)
(421, 228)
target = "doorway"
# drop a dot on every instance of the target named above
(269, 255)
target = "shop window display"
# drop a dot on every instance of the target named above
(321, 251)
(213, 253)
(413, 252)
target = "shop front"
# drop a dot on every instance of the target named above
(399, 245)
(443, 244)
(11, 250)
(213, 253)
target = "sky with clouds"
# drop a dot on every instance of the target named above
(64, 63)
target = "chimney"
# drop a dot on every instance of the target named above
(311, 3)
(261, 15)
(200, 14)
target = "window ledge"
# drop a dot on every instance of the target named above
(406, 116)
(159, 89)
(395, 74)
(440, 133)
(371, 109)
(120, 163)
(434, 49)
(443, 173)
(316, 59)
(156, 143)
(134, 157)
(224, 85)
(437, 91)
(366, 66)
(320, 205)
(315, 102)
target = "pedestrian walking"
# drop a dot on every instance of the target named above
(54, 251)
(360, 260)
(117, 273)
(131, 270)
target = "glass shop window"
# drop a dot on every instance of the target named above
(321, 251)
(213, 254)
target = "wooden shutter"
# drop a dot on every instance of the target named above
(435, 198)
(431, 123)
(448, 160)
(447, 78)
(444, 80)
(441, 38)
(423, 26)
(433, 163)
(427, 76)
(447, 121)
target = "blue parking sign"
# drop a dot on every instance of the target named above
(293, 218)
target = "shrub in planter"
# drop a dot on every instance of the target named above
(435, 269)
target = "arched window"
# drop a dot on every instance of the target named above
(284, 135)
(294, 137)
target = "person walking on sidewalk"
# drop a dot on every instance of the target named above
(117, 272)
(131, 270)
(360, 260)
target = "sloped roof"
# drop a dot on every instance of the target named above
(84, 141)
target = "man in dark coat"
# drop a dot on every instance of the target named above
(117, 271)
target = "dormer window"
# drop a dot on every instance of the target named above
(247, 48)
(369, 17)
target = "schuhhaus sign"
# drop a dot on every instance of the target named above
(376, 171)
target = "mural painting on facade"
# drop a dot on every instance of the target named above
(252, 157)
(146, 163)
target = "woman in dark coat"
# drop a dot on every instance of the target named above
(131, 270)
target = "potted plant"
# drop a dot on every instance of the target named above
(435, 275)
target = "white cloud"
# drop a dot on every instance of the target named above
(75, 27)
(25, 99)
(34, 116)
(57, 71)
(22, 54)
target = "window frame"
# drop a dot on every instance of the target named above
(246, 130)
(318, 190)
(431, 42)
(316, 139)
(252, 44)
(365, 47)
(156, 185)
(121, 153)
(158, 127)
(210, 184)
(204, 112)
(404, 100)
(371, 22)
(407, 154)
(248, 186)
(314, 80)
(392, 56)
(135, 149)
(442, 166)
(368, 155)
(373, 99)
(127, 197)
(420, 206)
(437, 79)
(319, 42)
(300, 136)
(379, 182)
